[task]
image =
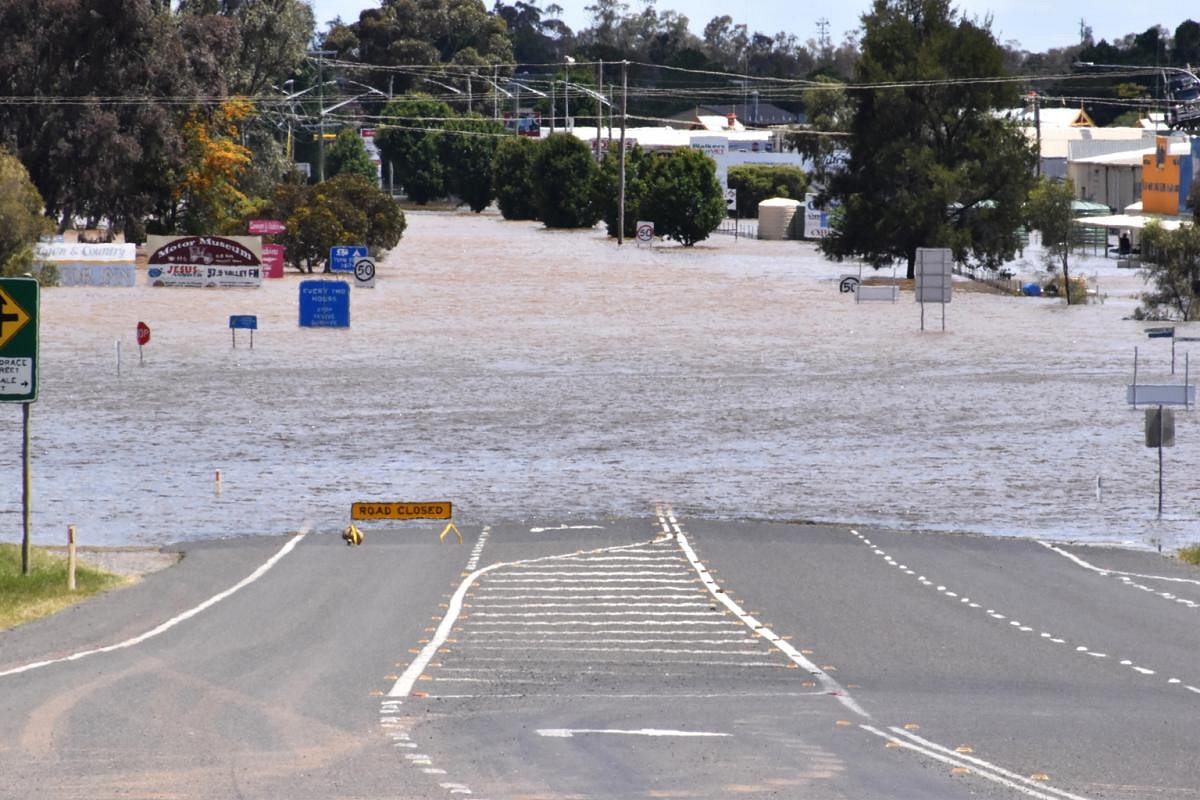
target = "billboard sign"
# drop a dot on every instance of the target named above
(221, 261)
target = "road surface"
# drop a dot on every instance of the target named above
(655, 657)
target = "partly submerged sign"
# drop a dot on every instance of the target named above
(84, 264)
(400, 510)
(222, 261)
(324, 304)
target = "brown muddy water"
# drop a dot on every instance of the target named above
(532, 374)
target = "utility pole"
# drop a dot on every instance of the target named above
(320, 54)
(621, 183)
(1037, 126)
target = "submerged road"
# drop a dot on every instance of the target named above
(656, 658)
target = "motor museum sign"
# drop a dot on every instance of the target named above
(221, 261)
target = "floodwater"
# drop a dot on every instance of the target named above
(530, 374)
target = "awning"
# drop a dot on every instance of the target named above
(1129, 221)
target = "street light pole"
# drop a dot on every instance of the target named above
(320, 54)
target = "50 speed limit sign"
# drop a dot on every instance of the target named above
(645, 232)
(364, 273)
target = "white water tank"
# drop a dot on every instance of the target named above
(775, 217)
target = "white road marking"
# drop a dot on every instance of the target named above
(1102, 571)
(568, 528)
(976, 766)
(403, 686)
(567, 733)
(477, 551)
(173, 621)
(829, 684)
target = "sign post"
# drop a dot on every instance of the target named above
(247, 321)
(1160, 422)
(933, 273)
(343, 257)
(19, 302)
(645, 233)
(143, 338)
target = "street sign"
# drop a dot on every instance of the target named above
(933, 273)
(390, 510)
(364, 273)
(259, 227)
(1154, 394)
(249, 321)
(143, 334)
(343, 257)
(272, 260)
(19, 300)
(1161, 333)
(645, 233)
(324, 304)
(731, 199)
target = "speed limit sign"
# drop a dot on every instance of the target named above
(364, 273)
(645, 233)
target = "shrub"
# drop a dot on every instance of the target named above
(563, 172)
(683, 197)
(512, 177)
(757, 182)
(606, 189)
(346, 209)
(22, 222)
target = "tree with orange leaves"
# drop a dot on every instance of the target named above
(208, 190)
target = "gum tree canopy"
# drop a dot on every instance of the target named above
(929, 164)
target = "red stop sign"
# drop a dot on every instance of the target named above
(143, 333)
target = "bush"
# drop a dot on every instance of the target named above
(1190, 554)
(683, 197)
(22, 222)
(512, 177)
(348, 155)
(757, 182)
(563, 172)
(606, 191)
(468, 149)
(410, 146)
(346, 209)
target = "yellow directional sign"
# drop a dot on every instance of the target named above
(12, 317)
(436, 510)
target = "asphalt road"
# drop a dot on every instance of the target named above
(655, 658)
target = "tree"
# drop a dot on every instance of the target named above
(512, 177)
(829, 114)
(468, 148)
(683, 196)
(215, 162)
(607, 192)
(563, 170)
(22, 222)
(348, 155)
(406, 144)
(1049, 212)
(344, 209)
(100, 159)
(929, 164)
(1172, 265)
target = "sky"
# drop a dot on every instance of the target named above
(1035, 24)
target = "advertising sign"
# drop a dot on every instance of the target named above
(273, 256)
(221, 261)
(81, 264)
(816, 218)
(324, 304)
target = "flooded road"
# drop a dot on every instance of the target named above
(524, 373)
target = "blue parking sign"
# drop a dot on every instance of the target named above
(343, 257)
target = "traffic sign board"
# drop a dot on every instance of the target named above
(343, 257)
(143, 334)
(364, 273)
(389, 510)
(18, 339)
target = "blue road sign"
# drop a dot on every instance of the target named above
(343, 257)
(243, 321)
(324, 304)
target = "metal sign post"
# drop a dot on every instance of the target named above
(933, 278)
(645, 233)
(1160, 422)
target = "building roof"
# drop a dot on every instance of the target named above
(749, 113)
(1051, 117)
(1055, 140)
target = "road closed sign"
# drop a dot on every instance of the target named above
(400, 510)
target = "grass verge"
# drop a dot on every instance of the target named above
(1190, 554)
(44, 591)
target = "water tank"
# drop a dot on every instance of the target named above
(776, 217)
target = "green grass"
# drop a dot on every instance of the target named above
(1190, 554)
(44, 590)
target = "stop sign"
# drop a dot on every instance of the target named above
(143, 333)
